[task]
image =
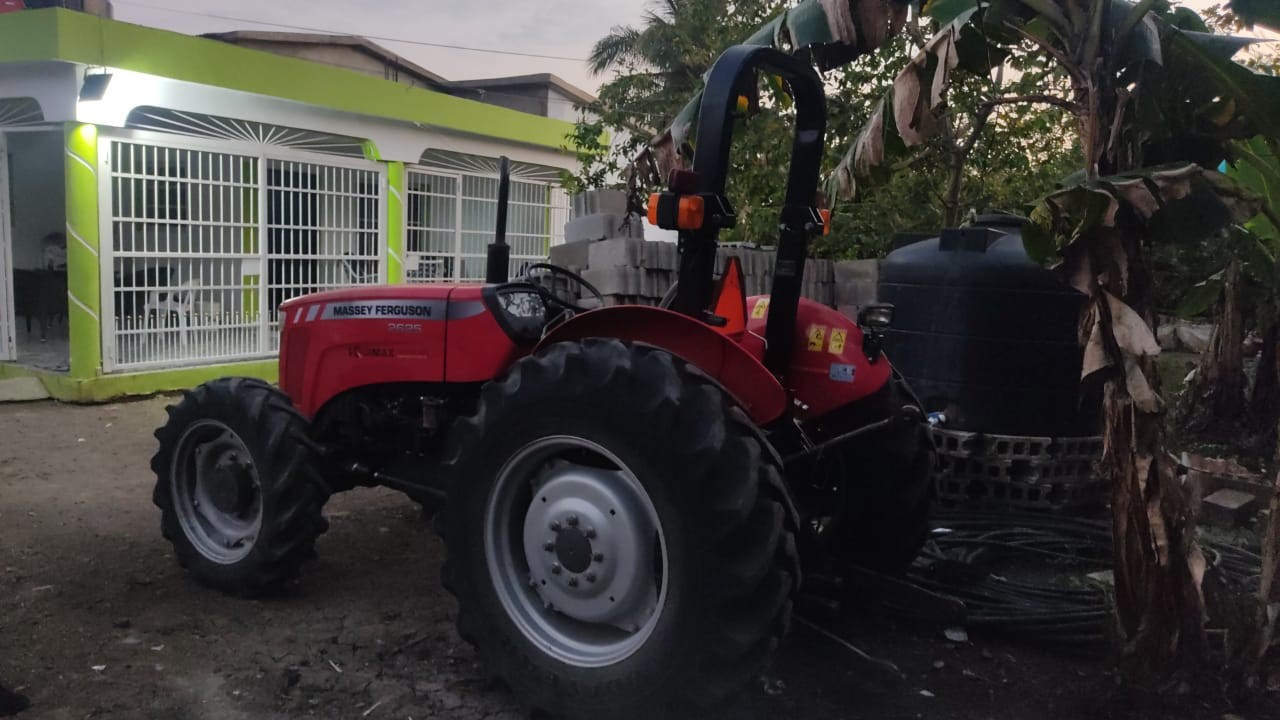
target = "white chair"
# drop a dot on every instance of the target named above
(186, 302)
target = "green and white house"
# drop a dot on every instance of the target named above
(199, 184)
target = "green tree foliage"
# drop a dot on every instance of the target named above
(1017, 156)
(654, 69)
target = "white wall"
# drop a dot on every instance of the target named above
(36, 178)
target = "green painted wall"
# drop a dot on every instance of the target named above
(396, 189)
(83, 268)
(112, 387)
(36, 35)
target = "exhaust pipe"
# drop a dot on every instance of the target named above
(498, 262)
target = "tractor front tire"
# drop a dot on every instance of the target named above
(619, 539)
(238, 486)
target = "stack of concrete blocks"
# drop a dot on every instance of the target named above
(607, 248)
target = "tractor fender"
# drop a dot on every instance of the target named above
(739, 372)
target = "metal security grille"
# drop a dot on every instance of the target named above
(213, 126)
(20, 111)
(206, 242)
(451, 216)
(322, 231)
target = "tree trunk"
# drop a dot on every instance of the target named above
(1264, 405)
(1269, 582)
(1227, 354)
(1215, 401)
(1158, 565)
(951, 210)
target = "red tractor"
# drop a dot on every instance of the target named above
(627, 494)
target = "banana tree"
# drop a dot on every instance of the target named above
(1157, 102)
(1244, 285)
(1258, 167)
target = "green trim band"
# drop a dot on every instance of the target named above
(104, 388)
(55, 34)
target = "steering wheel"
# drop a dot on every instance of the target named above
(550, 297)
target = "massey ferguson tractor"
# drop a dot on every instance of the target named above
(627, 494)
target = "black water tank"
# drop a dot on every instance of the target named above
(986, 335)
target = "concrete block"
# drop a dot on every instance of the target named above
(1167, 336)
(591, 202)
(570, 255)
(601, 226)
(1228, 508)
(660, 255)
(616, 252)
(856, 282)
(615, 280)
(851, 271)
(1194, 337)
(657, 282)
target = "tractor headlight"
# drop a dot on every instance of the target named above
(875, 321)
(876, 317)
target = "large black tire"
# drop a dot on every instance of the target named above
(728, 526)
(890, 495)
(281, 475)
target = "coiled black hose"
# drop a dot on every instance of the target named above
(1028, 575)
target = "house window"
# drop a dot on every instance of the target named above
(451, 216)
(207, 243)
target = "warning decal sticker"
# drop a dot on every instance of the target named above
(838, 336)
(817, 337)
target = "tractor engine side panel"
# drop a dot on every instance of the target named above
(829, 368)
(335, 341)
(478, 348)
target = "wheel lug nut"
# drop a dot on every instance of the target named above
(590, 532)
(598, 557)
(573, 582)
(591, 577)
(573, 521)
(555, 526)
(555, 568)
(548, 546)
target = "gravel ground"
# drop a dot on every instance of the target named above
(97, 620)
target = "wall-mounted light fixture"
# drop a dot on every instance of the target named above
(95, 86)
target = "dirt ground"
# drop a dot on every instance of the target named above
(97, 620)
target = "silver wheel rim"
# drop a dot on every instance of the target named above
(575, 551)
(217, 494)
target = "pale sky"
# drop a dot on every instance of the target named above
(566, 28)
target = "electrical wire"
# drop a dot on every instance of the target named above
(463, 92)
(423, 43)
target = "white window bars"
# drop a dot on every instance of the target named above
(450, 218)
(204, 240)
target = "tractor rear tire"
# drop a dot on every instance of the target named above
(238, 486)
(642, 429)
